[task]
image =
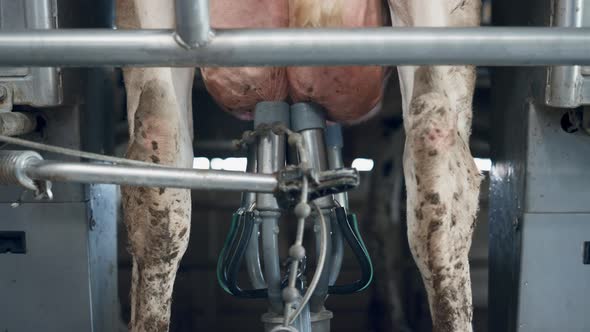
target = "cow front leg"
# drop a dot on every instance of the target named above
(442, 179)
(157, 219)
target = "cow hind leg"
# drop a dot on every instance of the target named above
(442, 180)
(160, 131)
(157, 219)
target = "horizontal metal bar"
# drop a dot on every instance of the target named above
(151, 176)
(281, 47)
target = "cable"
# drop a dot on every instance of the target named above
(319, 268)
(74, 153)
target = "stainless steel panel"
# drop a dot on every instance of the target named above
(12, 18)
(39, 86)
(46, 289)
(557, 178)
(513, 92)
(102, 247)
(554, 284)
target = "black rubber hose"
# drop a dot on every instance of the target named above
(348, 226)
(225, 250)
(236, 256)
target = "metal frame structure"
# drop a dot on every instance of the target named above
(301, 47)
(194, 43)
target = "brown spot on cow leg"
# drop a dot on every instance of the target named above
(179, 211)
(154, 145)
(155, 324)
(441, 111)
(183, 232)
(159, 214)
(432, 198)
(444, 316)
(168, 259)
(155, 159)
(441, 210)
(433, 227)
(418, 213)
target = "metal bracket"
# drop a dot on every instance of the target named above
(321, 184)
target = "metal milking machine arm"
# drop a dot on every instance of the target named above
(312, 184)
(294, 303)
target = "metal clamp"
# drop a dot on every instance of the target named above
(320, 183)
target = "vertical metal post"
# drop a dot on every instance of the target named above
(192, 22)
(252, 251)
(308, 119)
(334, 144)
(565, 83)
(270, 158)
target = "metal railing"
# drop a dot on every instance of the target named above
(194, 43)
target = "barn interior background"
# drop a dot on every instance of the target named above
(396, 301)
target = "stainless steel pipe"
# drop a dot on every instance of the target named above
(150, 177)
(270, 157)
(334, 145)
(308, 119)
(252, 255)
(192, 22)
(565, 83)
(279, 47)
